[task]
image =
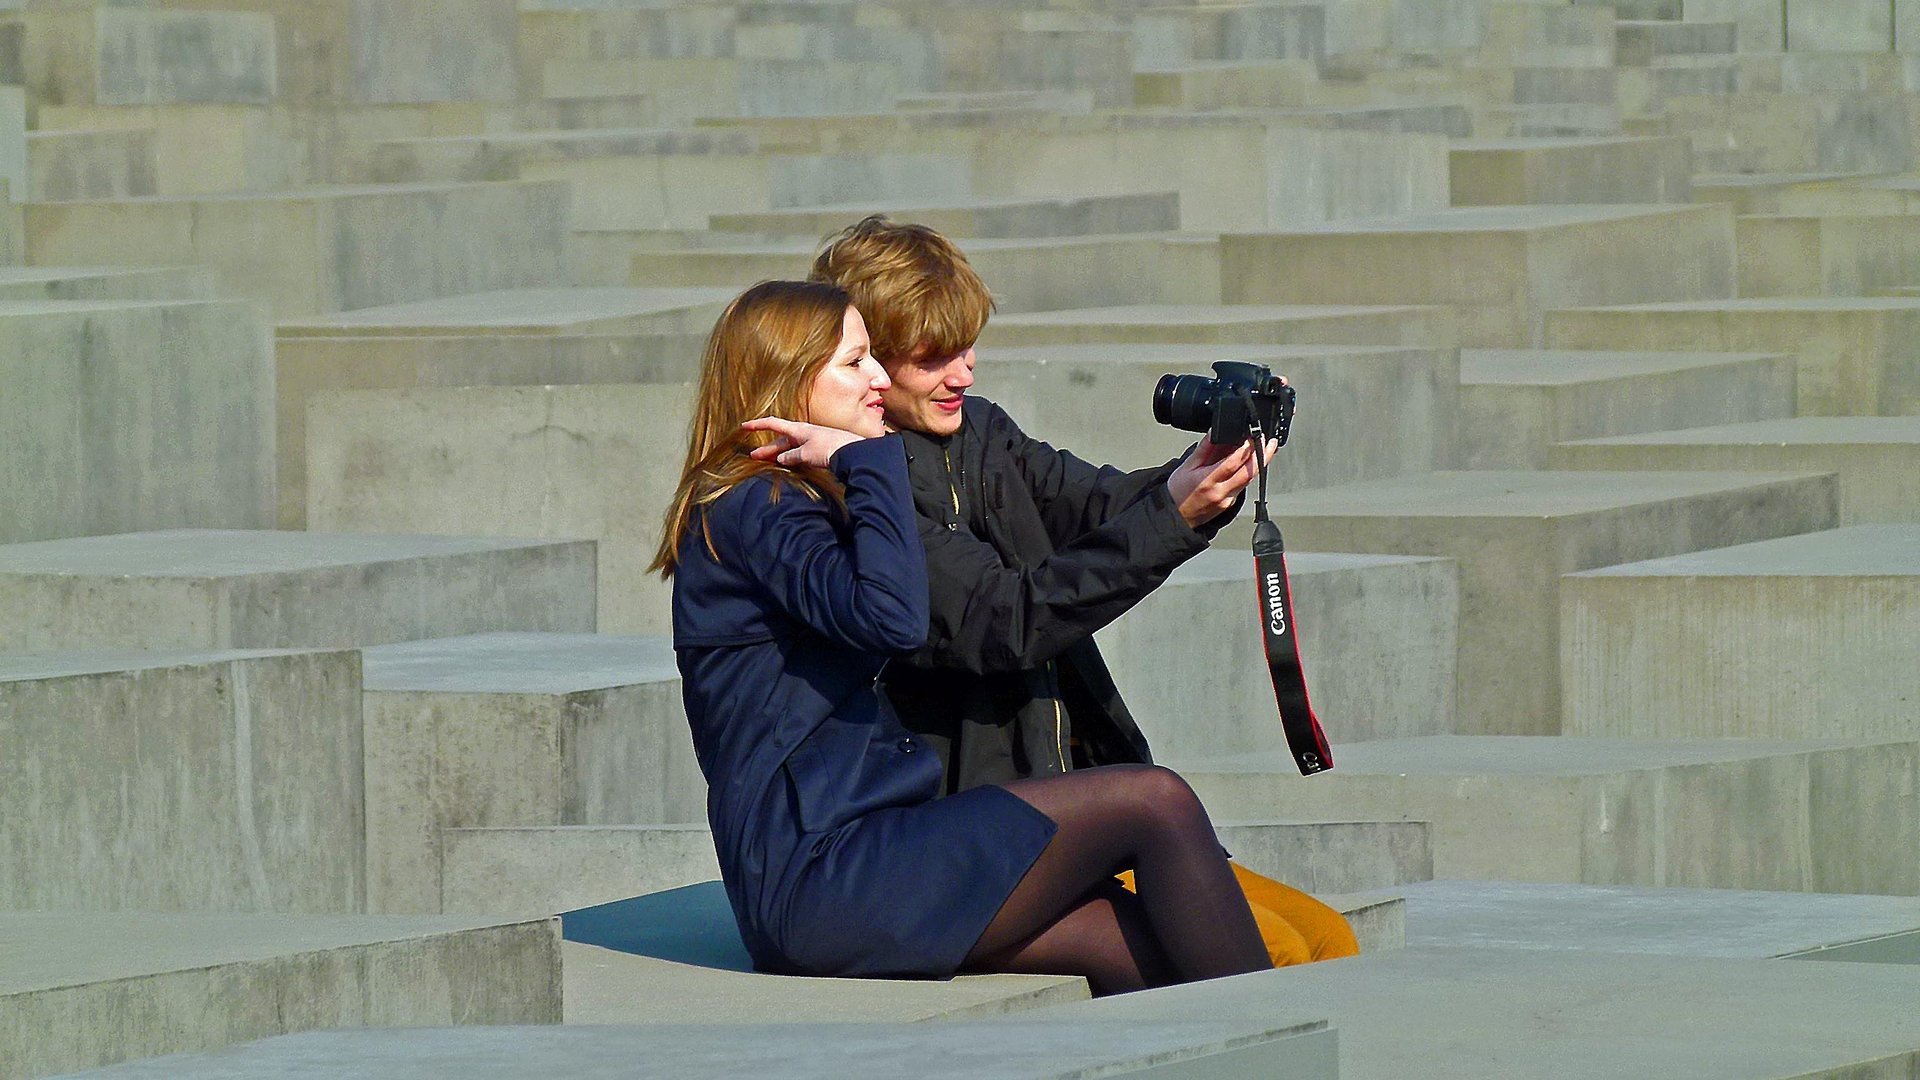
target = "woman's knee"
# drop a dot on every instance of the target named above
(1164, 795)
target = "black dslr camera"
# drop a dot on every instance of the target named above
(1226, 406)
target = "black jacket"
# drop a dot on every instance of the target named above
(1029, 551)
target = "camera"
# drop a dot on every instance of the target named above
(1227, 405)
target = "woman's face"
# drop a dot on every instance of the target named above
(846, 393)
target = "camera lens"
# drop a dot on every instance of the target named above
(1184, 401)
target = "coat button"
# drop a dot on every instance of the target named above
(906, 746)
(953, 526)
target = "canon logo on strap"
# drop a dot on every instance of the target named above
(1276, 606)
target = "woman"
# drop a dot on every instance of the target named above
(797, 571)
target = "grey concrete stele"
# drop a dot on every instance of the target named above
(85, 990)
(213, 589)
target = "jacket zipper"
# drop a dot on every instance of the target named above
(953, 488)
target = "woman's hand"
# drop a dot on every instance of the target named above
(796, 444)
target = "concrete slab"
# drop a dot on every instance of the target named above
(1828, 255)
(529, 311)
(1877, 458)
(1097, 401)
(85, 990)
(1855, 354)
(1802, 637)
(1640, 43)
(1458, 1013)
(66, 165)
(106, 283)
(1502, 268)
(1512, 172)
(125, 415)
(1229, 324)
(1853, 195)
(1187, 1051)
(1620, 919)
(1757, 193)
(1025, 275)
(1807, 816)
(1760, 26)
(213, 589)
(1515, 404)
(480, 357)
(1826, 131)
(1069, 216)
(517, 729)
(181, 781)
(324, 250)
(1839, 26)
(1377, 638)
(461, 460)
(1513, 535)
(604, 986)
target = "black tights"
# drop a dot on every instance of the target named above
(1068, 916)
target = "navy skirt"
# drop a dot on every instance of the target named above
(906, 891)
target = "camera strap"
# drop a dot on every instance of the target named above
(1304, 737)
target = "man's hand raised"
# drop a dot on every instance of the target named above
(1211, 478)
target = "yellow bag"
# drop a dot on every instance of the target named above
(1297, 928)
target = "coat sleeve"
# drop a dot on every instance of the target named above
(864, 586)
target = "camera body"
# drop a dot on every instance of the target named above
(1228, 405)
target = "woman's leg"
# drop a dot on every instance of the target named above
(1141, 818)
(1103, 936)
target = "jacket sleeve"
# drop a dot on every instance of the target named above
(867, 590)
(988, 616)
(1075, 496)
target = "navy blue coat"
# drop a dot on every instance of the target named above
(837, 854)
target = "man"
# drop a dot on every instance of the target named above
(1029, 551)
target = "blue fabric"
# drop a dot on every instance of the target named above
(836, 856)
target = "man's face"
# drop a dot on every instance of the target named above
(927, 391)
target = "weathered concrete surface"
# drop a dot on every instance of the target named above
(1827, 255)
(209, 589)
(309, 364)
(1096, 400)
(1877, 458)
(162, 57)
(1759, 25)
(323, 250)
(1193, 1050)
(1494, 1014)
(1515, 404)
(517, 729)
(1332, 857)
(1502, 268)
(1025, 275)
(509, 461)
(1513, 535)
(106, 283)
(1230, 174)
(1073, 216)
(546, 869)
(128, 415)
(528, 311)
(1839, 25)
(1855, 194)
(1856, 355)
(1377, 639)
(1758, 193)
(80, 991)
(1628, 919)
(1828, 131)
(1230, 324)
(1513, 172)
(604, 986)
(1805, 816)
(66, 165)
(1802, 637)
(181, 781)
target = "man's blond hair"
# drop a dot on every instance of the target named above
(917, 292)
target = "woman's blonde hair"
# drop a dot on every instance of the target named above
(761, 360)
(916, 290)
